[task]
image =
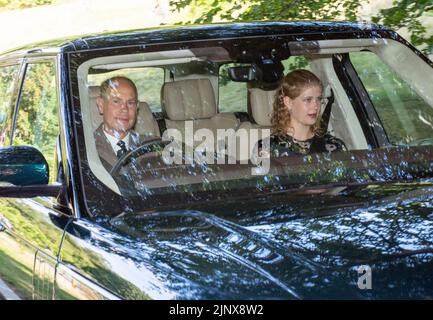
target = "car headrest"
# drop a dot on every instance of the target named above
(94, 112)
(146, 123)
(189, 99)
(262, 102)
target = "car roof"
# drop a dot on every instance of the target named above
(192, 32)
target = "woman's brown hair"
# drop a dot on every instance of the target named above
(291, 86)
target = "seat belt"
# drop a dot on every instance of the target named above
(327, 113)
(162, 125)
(242, 116)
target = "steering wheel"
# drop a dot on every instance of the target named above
(152, 145)
(148, 146)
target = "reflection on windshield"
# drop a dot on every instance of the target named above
(223, 103)
(391, 235)
(307, 246)
(149, 178)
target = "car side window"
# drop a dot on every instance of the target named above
(295, 62)
(37, 123)
(149, 81)
(8, 76)
(232, 96)
(406, 117)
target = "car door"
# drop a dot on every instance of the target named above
(32, 227)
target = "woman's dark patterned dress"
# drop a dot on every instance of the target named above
(281, 146)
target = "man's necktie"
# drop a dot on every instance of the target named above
(122, 150)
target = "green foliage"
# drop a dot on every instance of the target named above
(295, 62)
(403, 13)
(37, 122)
(7, 77)
(252, 10)
(148, 81)
(93, 264)
(405, 116)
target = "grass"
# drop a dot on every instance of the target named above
(18, 275)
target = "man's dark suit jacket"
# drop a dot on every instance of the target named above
(106, 153)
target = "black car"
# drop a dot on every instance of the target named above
(181, 223)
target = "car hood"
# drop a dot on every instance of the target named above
(300, 249)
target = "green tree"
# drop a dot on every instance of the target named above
(407, 14)
(7, 80)
(239, 10)
(403, 13)
(37, 121)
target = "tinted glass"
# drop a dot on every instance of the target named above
(232, 95)
(8, 77)
(202, 157)
(148, 81)
(295, 62)
(406, 117)
(37, 122)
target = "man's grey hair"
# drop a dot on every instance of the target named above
(111, 83)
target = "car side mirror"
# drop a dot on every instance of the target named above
(23, 166)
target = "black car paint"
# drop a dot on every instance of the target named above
(258, 254)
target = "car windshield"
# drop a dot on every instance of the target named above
(198, 126)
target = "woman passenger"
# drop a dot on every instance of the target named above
(295, 117)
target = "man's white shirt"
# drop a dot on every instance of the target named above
(113, 141)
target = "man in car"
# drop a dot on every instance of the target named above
(117, 103)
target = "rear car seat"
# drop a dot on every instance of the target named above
(260, 111)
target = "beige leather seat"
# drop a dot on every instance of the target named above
(261, 106)
(146, 124)
(192, 102)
